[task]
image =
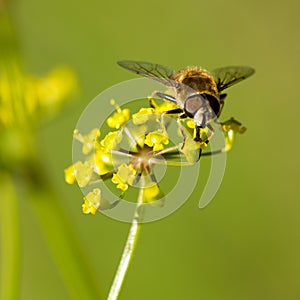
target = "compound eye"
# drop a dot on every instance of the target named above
(213, 102)
(193, 104)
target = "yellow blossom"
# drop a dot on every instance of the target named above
(88, 141)
(163, 107)
(70, 174)
(103, 160)
(56, 86)
(92, 202)
(157, 139)
(122, 185)
(46, 94)
(234, 125)
(142, 116)
(231, 128)
(83, 172)
(120, 117)
(111, 140)
(126, 175)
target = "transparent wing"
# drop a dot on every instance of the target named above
(154, 71)
(228, 76)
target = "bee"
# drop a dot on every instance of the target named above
(198, 93)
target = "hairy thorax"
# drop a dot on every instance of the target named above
(197, 79)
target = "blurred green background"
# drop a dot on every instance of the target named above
(245, 244)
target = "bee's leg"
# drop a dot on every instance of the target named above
(170, 112)
(182, 116)
(164, 96)
(212, 133)
(222, 97)
(236, 127)
(175, 111)
(198, 138)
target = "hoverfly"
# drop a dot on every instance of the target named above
(198, 93)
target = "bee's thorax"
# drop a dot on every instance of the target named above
(197, 79)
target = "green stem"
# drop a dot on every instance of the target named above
(10, 240)
(128, 251)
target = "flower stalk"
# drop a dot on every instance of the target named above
(129, 249)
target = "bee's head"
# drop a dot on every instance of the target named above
(196, 102)
(193, 103)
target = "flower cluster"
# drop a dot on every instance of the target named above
(135, 143)
(28, 99)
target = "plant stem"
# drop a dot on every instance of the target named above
(10, 240)
(128, 251)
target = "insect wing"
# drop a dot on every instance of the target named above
(228, 76)
(154, 71)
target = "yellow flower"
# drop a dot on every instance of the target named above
(70, 174)
(92, 202)
(111, 140)
(122, 185)
(126, 175)
(103, 160)
(45, 95)
(120, 117)
(142, 116)
(157, 139)
(26, 99)
(163, 107)
(55, 87)
(231, 128)
(82, 172)
(88, 140)
(234, 125)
